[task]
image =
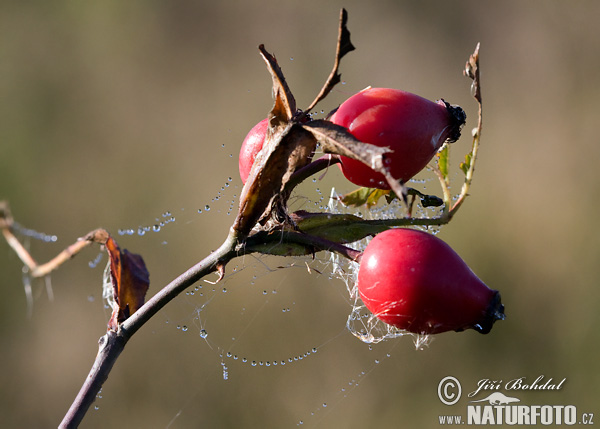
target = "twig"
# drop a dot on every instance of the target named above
(472, 71)
(314, 167)
(113, 343)
(36, 270)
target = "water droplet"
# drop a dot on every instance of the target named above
(224, 290)
(199, 210)
(184, 328)
(156, 228)
(207, 207)
(203, 333)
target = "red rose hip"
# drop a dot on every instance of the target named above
(414, 281)
(413, 127)
(252, 144)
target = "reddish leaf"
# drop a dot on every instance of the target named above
(130, 280)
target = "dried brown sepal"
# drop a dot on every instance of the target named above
(285, 104)
(282, 154)
(344, 45)
(130, 281)
(472, 71)
(338, 140)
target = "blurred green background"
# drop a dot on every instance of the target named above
(114, 113)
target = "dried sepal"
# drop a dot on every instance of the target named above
(282, 154)
(285, 104)
(472, 72)
(336, 139)
(344, 45)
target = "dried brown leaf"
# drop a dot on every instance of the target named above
(130, 280)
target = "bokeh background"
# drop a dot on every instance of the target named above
(114, 113)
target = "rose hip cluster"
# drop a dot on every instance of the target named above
(407, 278)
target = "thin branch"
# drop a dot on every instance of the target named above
(211, 263)
(113, 343)
(110, 347)
(36, 270)
(314, 167)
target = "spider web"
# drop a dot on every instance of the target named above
(233, 318)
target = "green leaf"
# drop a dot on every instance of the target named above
(281, 249)
(365, 196)
(443, 161)
(339, 228)
(464, 166)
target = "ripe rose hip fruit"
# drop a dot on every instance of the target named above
(252, 144)
(414, 281)
(413, 127)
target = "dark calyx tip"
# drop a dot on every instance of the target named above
(495, 311)
(458, 117)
